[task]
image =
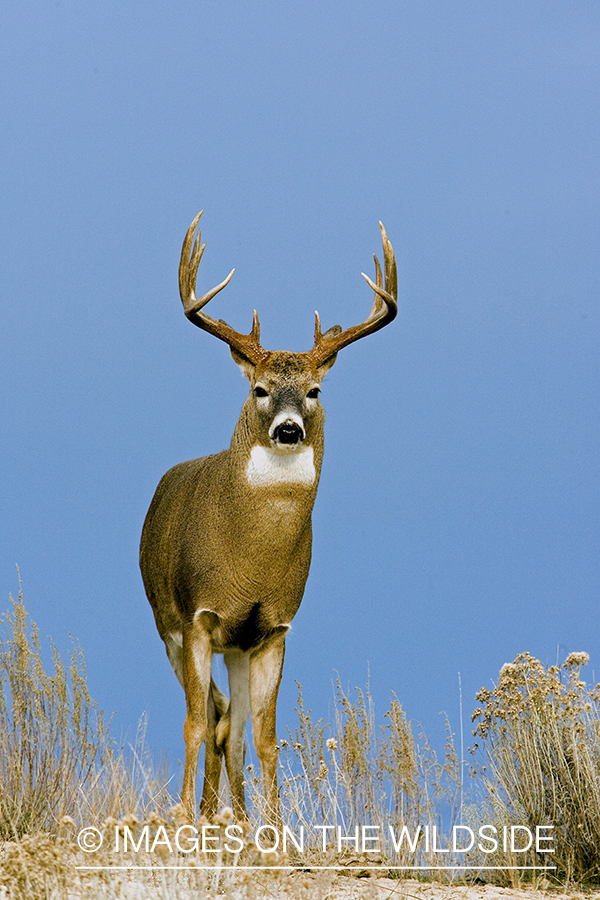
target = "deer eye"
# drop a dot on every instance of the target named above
(260, 392)
(313, 393)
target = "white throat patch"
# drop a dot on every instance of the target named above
(268, 467)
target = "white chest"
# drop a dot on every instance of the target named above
(268, 467)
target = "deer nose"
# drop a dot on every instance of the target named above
(288, 433)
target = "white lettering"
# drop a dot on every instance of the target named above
(454, 836)
(233, 837)
(193, 840)
(492, 840)
(543, 837)
(434, 846)
(206, 836)
(348, 838)
(161, 838)
(324, 829)
(404, 834)
(367, 838)
(259, 834)
(288, 833)
(144, 839)
(513, 831)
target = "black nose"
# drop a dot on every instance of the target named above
(288, 433)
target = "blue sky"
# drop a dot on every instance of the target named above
(457, 518)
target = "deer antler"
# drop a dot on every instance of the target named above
(383, 312)
(246, 344)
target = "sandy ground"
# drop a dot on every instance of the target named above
(475, 892)
(379, 888)
(386, 887)
(34, 868)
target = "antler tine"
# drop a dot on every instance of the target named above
(188, 272)
(318, 333)
(383, 311)
(391, 274)
(187, 265)
(191, 254)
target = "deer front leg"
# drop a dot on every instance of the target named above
(213, 754)
(197, 659)
(238, 667)
(266, 665)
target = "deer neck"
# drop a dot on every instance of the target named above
(266, 474)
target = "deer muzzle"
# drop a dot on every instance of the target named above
(287, 429)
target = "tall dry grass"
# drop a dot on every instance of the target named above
(352, 773)
(538, 748)
(538, 758)
(57, 757)
(62, 771)
(52, 737)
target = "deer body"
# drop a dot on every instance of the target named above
(226, 545)
(239, 541)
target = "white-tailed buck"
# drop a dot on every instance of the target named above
(226, 544)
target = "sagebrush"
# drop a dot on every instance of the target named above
(539, 732)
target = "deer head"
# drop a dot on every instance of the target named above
(284, 386)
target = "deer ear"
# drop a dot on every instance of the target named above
(325, 367)
(247, 367)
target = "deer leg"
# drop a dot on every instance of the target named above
(173, 644)
(266, 665)
(197, 658)
(213, 757)
(238, 667)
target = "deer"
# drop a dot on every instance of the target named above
(226, 544)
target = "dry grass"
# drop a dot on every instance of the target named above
(538, 731)
(52, 738)
(57, 758)
(352, 774)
